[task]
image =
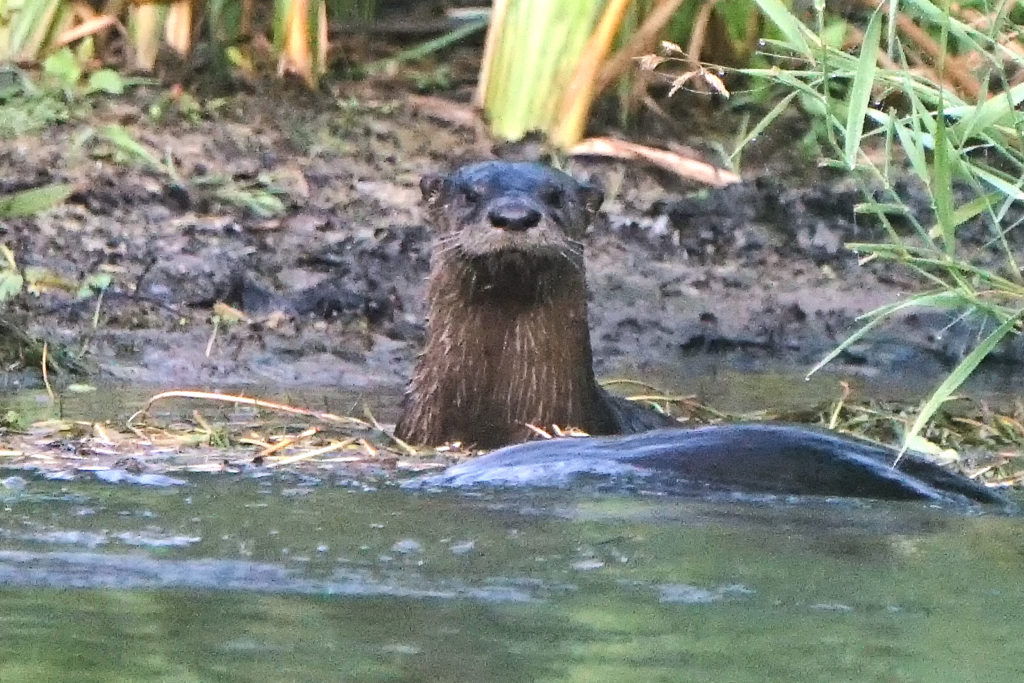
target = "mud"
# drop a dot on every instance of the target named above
(333, 290)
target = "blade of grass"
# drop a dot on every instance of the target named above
(795, 32)
(962, 371)
(765, 121)
(178, 26)
(1001, 182)
(291, 34)
(499, 9)
(942, 17)
(29, 202)
(945, 155)
(966, 212)
(942, 184)
(427, 48)
(921, 258)
(538, 49)
(122, 140)
(860, 92)
(875, 318)
(990, 112)
(913, 146)
(33, 23)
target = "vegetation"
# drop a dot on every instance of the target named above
(891, 88)
(62, 90)
(235, 29)
(259, 196)
(19, 348)
(965, 145)
(960, 134)
(545, 64)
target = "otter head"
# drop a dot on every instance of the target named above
(512, 227)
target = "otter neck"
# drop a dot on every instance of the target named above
(502, 355)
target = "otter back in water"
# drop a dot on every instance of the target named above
(752, 458)
(508, 346)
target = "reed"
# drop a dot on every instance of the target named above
(934, 93)
(32, 29)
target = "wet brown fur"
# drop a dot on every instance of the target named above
(507, 338)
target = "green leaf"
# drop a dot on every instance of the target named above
(123, 140)
(860, 93)
(105, 80)
(29, 202)
(93, 284)
(63, 67)
(10, 284)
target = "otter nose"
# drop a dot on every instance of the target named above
(514, 217)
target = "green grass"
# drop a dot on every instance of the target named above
(969, 156)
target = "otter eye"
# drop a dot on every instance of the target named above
(553, 197)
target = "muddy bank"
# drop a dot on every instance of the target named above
(332, 291)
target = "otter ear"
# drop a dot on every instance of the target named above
(432, 185)
(593, 197)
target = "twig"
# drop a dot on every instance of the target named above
(254, 402)
(690, 169)
(329, 448)
(213, 336)
(455, 113)
(46, 374)
(288, 441)
(837, 409)
(699, 32)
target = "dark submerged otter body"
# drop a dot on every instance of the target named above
(508, 346)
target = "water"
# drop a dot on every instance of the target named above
(288, 579)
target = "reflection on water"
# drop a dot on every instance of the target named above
(290, 579)
(716, 382)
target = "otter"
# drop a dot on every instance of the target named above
(508, 345)
(508, 349)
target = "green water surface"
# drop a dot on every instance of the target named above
(287, 579)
